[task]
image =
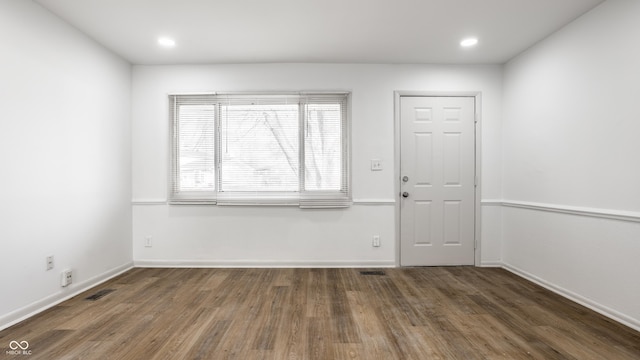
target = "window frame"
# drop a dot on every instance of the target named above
(302, 197)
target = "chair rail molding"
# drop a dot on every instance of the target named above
(619, 215)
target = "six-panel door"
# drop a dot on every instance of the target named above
(437, 170)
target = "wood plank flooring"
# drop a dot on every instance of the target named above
(408, 313)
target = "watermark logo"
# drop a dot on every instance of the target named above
(23, 345)
(18, 348)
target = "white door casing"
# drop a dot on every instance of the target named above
(437, 171)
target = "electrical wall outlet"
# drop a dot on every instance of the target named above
(376, 241)
(376, 165)
(148, 241)
(67, 278)
(49, 262)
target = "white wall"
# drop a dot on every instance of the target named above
(193, 235)
(65, 150)
(571, 127)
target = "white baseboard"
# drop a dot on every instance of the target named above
(599, 308)
(39, 306)
(497, 264)
(263, 264)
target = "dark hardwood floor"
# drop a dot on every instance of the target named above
(408, 313)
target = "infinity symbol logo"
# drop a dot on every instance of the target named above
(23, 345)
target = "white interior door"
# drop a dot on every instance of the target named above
(437, 171)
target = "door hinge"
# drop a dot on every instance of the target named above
(475, 118)
(475, 181)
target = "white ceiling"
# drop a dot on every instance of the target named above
(339, 31)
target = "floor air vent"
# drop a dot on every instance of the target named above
(375, 272)
(99, 294)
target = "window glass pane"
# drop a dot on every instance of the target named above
(323, 147)
(196, 140)
(259, 147)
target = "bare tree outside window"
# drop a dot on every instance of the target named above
(323, 147)
(259, 148)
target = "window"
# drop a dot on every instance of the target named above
(243, 149)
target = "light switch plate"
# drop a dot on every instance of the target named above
(376, 165)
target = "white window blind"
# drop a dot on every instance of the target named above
(275, 149)
(193, 160)
(326, 153)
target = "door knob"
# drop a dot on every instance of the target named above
(405, 178)
(405, 194)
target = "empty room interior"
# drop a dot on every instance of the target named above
(320, 179)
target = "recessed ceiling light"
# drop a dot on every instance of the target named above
(468, 42)
(166, 42)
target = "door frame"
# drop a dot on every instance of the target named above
(477, 95)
